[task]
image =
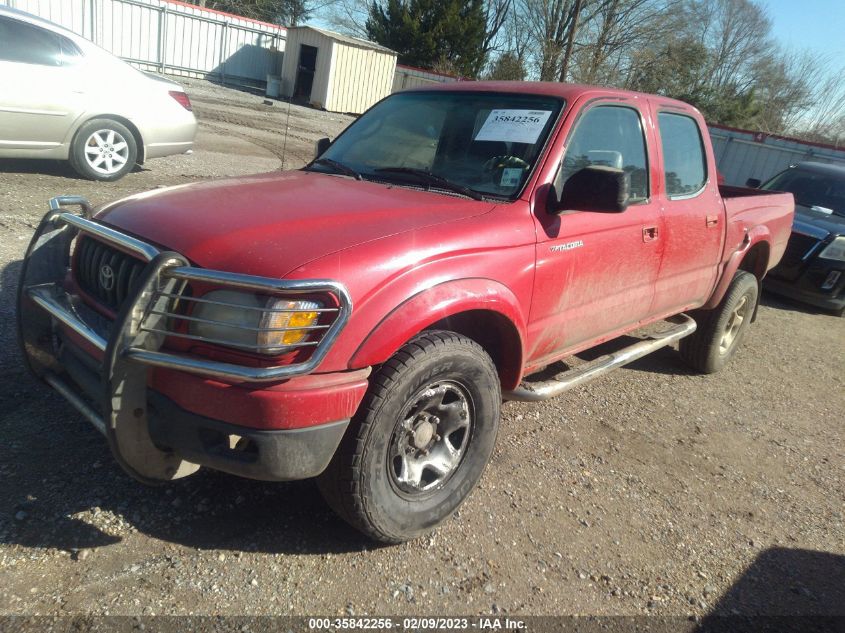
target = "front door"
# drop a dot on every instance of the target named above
(305, 72)
(596, 271)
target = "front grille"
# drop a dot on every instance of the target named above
(797, 247)
(105, 273)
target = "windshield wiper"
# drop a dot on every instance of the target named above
(338, 166)
(432, 179)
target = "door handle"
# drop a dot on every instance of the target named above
(649, 233)
(712, 220)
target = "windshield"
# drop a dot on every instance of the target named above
(811, 189)
(463, 142)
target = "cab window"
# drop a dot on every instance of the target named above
(684, 161)
(611, 136)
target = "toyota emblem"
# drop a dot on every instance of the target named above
(106, 278)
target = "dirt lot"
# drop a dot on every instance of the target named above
(654, 490)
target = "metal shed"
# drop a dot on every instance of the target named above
(335, 72)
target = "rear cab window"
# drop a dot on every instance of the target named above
(684, 160)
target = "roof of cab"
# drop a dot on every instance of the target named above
(566, 91)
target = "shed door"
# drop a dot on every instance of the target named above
(305, 72)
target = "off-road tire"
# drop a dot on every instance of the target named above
(704, 349)
(77, 155)
(358, 483)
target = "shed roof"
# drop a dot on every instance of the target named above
(346, 39)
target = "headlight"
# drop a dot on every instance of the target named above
(835, 250)
(260, 324)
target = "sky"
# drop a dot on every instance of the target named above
(817, 25)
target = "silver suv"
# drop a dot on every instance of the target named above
(65, 98)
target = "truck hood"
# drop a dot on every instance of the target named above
(833, 224)
(270, 224)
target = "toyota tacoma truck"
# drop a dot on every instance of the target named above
(360, 320)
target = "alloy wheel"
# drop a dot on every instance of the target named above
(106, 151)
(430, 439)
(733, 325)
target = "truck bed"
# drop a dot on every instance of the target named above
(751, 210)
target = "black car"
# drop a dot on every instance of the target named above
(812, 269)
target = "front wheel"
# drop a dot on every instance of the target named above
(721, 330)
(420, 441)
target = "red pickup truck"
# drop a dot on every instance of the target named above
(360, 320)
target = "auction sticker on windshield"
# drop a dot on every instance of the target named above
(511, 176)
(514, 126)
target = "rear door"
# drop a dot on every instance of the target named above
(596, 271)
(693, 213)
(40, 97)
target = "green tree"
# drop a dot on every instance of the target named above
(507, 67)
(432, 33)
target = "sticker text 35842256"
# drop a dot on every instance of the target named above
(514, 126)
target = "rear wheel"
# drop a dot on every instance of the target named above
(721, 330)
(420, 441)
(103, 150)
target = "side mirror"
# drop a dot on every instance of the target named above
(323, 145)
(753, 183)
(596, 188)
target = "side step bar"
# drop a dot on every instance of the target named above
(684, 325)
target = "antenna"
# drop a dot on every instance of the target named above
(287, 127)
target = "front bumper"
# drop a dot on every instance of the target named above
(819, 282)
(199, 436)
(279, 455)
(102, 366)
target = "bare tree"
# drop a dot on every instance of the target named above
(553, 25)
(785, 89)
(737, 34)
(618, 29)
(825, 119)
(348, 16)
(496, 13)
(516, 36)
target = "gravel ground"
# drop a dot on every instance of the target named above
(653, 490)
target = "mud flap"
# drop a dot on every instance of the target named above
(125, 382)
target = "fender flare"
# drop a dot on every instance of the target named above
(758, 234)
(435, 304)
